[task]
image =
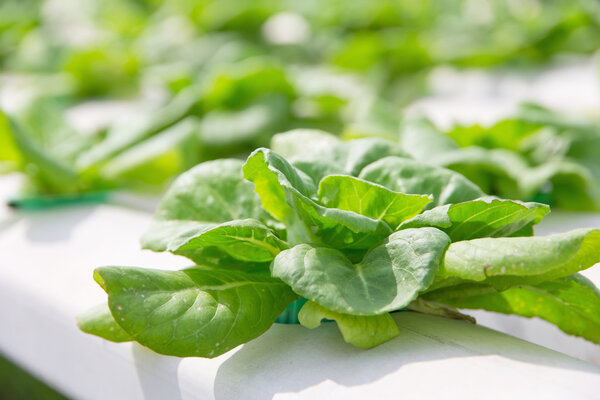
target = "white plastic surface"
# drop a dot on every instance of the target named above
(46, 279)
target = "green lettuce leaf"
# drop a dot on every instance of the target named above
(201, 312)
(572, 303)
(123, 136)
(272, 175)
(237, 85)
(506, 134)
(536, 115)
(388, 278)
(573, 186)
(481, 218)
(495, 171)
(11, 157)
(242, 239)
(212, 206)
(50, 174)
(100, 322)
(361, 331)
(506, 262)
(319, 153)
(376, 118)
(224, 130)
(157, 159)
(286, 193)
(438, 309)
(372, 200)
(413, 177)
(423, 141)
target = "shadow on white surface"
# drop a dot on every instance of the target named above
(540, 332)
(42, 226)
(157, 375)
(7, 218)
(286, 360)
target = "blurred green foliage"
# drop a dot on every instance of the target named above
(105, 45)
(235, 73)
(537, 155)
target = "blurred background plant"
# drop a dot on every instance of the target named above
(536, 154)
(99, 95)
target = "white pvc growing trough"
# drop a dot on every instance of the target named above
(46, 263)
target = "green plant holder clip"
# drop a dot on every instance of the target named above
(290, 315)
(52, 201)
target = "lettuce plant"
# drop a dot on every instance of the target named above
(356, 229)
(536, 154)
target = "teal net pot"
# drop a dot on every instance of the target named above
(290, 314)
